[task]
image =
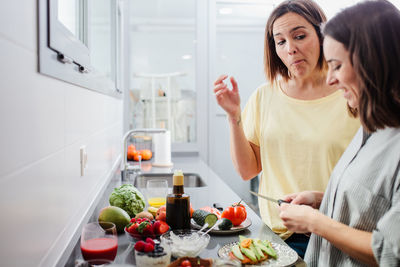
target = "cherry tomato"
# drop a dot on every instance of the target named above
(186, 263)
(235, 213)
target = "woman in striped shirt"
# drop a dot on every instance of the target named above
(358, 222)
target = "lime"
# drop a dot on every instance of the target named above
(211, 219)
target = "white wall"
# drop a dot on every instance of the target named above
(44, 121)
(238, 54)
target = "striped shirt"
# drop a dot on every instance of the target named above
(364, 193)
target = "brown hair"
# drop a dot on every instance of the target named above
(370, 32)
(309, 10)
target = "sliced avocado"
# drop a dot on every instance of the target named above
(260, 245)
(271, 251)
(250, 254)
(236, 251)
(256, 251)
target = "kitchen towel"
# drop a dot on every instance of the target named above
(162, 149)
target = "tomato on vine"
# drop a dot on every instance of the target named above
(236, 213)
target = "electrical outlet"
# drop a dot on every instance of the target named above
(83, 159)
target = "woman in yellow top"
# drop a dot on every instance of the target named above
(294, 128)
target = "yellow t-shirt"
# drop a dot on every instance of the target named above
(300, 142)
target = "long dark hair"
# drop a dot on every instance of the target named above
(370, 32)
(310, 11)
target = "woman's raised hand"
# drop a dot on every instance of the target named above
(228, 99)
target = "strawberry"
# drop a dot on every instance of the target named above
(148, 247)
(163, 228)
(145, 228)
(133, 229)
(148, 230)
(156, 227)
(142, 225)
(140, 246)
(150, 241)
(133, 220)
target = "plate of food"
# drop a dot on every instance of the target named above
(232, 220)
(234, 229)
(256, 252)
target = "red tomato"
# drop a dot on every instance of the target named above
(185, 263)
(235, 213)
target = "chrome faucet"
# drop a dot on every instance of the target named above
(127, 168)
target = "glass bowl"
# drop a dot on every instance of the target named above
(185, 243)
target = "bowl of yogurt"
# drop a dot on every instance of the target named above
(185, 243)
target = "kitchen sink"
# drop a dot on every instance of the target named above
(190, 179)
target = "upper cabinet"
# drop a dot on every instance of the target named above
(80, 42)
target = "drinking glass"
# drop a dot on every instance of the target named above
(156, 191)
(99, 241)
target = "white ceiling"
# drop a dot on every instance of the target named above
(233, 12)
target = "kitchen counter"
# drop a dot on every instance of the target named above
(215, 191)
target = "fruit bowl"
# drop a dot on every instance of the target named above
(141, 229)
(187, 243)
(136, 237)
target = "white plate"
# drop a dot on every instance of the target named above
(285, 255)
(244, 225)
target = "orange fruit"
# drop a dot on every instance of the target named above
(131, 152)
(136, 155)
(191, 210)
(146, 154)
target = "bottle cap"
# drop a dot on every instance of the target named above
(178, 177)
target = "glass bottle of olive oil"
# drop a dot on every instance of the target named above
(178, 204)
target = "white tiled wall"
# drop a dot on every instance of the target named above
(43, 123)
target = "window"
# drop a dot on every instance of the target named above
(79, 42)
(163, 58)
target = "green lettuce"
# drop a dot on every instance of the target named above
(128, 198)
